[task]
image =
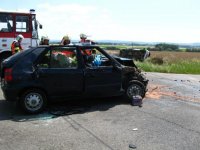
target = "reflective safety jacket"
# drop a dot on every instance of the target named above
(15, 47)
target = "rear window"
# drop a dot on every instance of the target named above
(27, 61)
(21, 55)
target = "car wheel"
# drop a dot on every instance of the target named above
(33, 101)
(135, 89)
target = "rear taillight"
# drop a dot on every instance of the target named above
(8, 74)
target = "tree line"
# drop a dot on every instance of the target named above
(166, 47)
(157, 47)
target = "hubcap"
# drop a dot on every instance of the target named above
(134, 90)
(33, 101)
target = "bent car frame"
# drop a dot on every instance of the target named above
(49, 73)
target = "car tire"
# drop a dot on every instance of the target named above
(135, 88)
(33, 101)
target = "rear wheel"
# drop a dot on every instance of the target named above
(33, 101)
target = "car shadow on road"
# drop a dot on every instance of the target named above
(11, 111)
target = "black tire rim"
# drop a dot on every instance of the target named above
(33, 101)
(134, 90)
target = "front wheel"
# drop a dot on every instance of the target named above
(33, 101)
(135, 89)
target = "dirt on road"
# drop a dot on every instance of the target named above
(177, 86)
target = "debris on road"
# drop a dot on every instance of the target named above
(135, 129)
(132, 146)
(62, 111)
(157, 91)
(25, 118)
(136, 101)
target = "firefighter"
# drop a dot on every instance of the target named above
(16, 44)
(44, 40)
(65, 40)
(83, 38)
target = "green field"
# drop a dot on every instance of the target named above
(118, 47)
(172, 62)
(169, 62)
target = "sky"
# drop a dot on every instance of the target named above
(175, 21)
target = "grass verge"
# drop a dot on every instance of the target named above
(180, 67)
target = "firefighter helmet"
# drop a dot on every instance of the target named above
(66, 37)
(45, 38)
(19, 37)
(83, 36)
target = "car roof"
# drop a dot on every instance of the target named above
(72, 45)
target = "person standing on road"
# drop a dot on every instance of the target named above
(16, 44)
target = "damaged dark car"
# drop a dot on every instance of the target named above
(38, 75)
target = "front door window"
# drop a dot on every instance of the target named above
(93, 58)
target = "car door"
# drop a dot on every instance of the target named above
(60, 74)
(102, 79)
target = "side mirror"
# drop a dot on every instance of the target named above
(115, 66)
(40, 26)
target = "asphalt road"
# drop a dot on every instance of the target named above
(168, 120)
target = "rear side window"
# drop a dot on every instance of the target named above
(27, 58)
(59, 57)
(19, 55)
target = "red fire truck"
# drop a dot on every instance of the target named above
(14, 23)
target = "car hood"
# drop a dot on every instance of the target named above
(125, 61)
(128, 69)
